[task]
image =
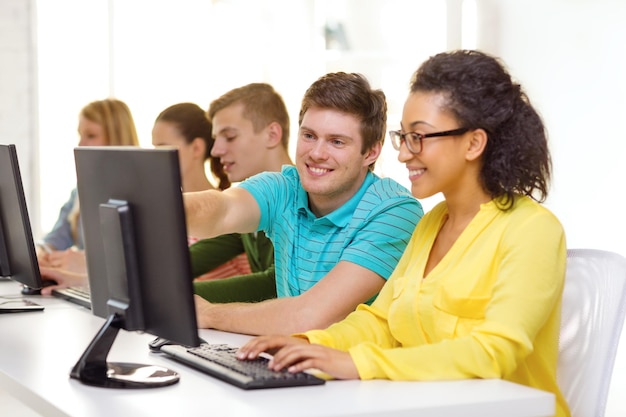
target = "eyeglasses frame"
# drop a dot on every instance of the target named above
(393, 134)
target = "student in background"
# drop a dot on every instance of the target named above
(477, 294)
(107, 122)
(186, 127)
(338, 230)
(251, 133)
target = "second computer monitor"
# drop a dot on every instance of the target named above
(18, 260)
(134, 227)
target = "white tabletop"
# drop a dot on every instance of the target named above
(38, 349)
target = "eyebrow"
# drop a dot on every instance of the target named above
(226, 129)
(331, 135)
(416, 123)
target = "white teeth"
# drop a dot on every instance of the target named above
(413, 172)
(318, 170)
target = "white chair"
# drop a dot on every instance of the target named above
(594, 303)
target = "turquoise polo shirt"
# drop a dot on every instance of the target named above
(371, 229)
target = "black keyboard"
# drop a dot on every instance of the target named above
(77, 295)
(219, 360)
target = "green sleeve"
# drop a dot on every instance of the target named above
(208, 254)
(258, 286)
(249, 288)
(259, 250)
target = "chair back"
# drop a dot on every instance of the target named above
(594, 303)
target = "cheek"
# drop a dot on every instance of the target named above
(302, 148)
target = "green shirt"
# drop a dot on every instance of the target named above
(208, 254)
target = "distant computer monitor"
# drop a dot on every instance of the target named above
(138, 260)
(18, 260)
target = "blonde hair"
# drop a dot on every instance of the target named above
(119, 130)
(115, 118)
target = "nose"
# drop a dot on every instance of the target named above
(318, 150)
(404, 155)
(219, 148)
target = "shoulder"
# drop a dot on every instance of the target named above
(526, 207)
(385, 192)
(288, 176)
(388, 188)
(528, 216)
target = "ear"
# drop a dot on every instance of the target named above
(198, 147)
(476, 145)
(373, 153)
(274, 135)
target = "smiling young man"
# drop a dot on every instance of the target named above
(338, 230)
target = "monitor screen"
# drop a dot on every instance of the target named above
(18, 260)
(138, 260)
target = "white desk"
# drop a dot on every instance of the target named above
(38, 349)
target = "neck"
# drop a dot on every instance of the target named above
(463, 206)
(196, 182)
(276, 160)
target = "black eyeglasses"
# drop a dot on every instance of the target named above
(413, 140)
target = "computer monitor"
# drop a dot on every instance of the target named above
(138, 260)
(18, 260)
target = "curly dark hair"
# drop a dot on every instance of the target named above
(192, 122)
(480, 93)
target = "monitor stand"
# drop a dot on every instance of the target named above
(93, 369)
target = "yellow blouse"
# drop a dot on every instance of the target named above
(489, 309)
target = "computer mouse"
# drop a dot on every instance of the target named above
(26, 290)
(159, 342)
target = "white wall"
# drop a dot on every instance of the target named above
(571, 57)
(195, 50)
(18, 91)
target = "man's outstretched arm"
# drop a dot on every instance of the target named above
(213, 213)
(330, 300)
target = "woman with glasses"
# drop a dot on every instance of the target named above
(477, 293)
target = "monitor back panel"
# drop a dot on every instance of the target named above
(149, 179)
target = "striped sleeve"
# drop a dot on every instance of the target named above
(383, 223)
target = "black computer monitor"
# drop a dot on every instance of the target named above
(138, 260)
(18, 260)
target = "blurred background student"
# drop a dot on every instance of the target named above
(183, 126)
(187, 127)
(107, 122)
(251, 132)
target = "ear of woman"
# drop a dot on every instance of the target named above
(476, 144)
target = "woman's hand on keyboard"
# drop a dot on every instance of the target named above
(268, 344)
(296, 355)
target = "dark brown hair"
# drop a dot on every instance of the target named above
(352, 94)
(192, 123)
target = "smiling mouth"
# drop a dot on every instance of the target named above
(318, 171)
(416, 173)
